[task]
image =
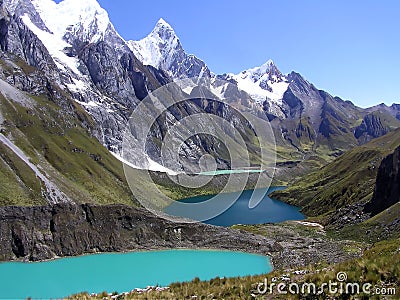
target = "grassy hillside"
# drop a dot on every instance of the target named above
(347, 180)
(56, 138)
(81, 167)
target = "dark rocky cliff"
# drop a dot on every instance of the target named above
(387, 189)
(44, 232)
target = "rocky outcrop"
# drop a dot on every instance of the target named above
(395, 108)
(4, 22)
(45, 232)
(387, 189)
(370, 127)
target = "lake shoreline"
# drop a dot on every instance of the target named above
(24, 261)
(40, 233)
(162, 269)
(67, 230)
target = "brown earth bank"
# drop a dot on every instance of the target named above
(45, 232)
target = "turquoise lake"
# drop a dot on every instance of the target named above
(123, 271)
(222, 172)
(267, 211)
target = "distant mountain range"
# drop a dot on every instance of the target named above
(310, 125)
(70, 56)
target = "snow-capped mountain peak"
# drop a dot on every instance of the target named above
(162, 25)
(263, 83)
(86, 19)
(160, 44)
(163, 50)
(263, 68)
(267, 71)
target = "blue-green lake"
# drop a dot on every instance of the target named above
(267, 211)
(123, 271)
(224, 172)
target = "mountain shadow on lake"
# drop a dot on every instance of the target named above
(267, 211)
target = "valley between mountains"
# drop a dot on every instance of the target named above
(68, 86)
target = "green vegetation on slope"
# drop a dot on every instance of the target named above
(348, 179)
(19, 184)
(55, 140)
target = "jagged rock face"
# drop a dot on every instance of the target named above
(371, 127)
(96, 68)
(44, 232)
(387, 188)
(110, 76)
(396, 110)
(4, 22)
(24, 43)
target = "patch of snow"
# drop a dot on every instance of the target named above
(188, 89)
(201, 73)
(88, 104)
(77, 86)
(54, 45)
(219, 91)
(152, 165)
(155, 166)
(86, 17)
(310, 224)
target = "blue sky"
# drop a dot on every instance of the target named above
(348, 48)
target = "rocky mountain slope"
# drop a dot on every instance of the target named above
(67, 72)
(48, 150)
(82, 57)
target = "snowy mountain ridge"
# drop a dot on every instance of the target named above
(71, 21)
(74, 16)
(264, 83)
(162, 49)
(86, 18)
(62, 25)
